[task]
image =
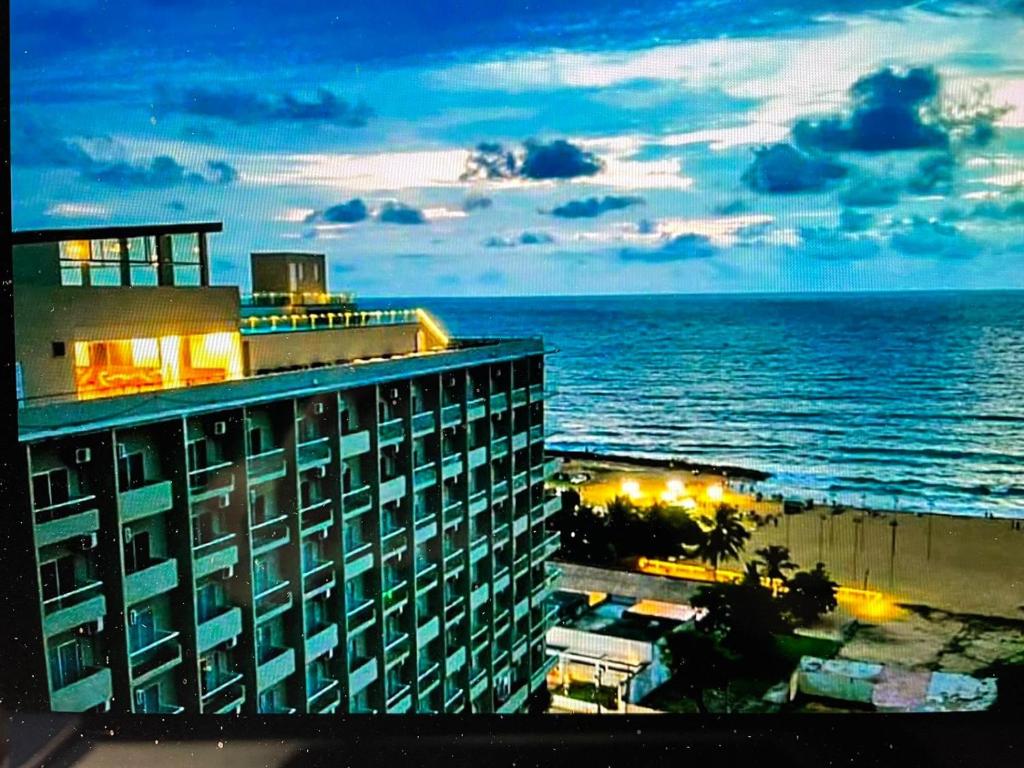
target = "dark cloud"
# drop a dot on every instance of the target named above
(870, 193)
(934, 174)
(992, 210)
(889, 113)
(558, 159)
(476, 203)
(934, 239)
(161, 171)
(223, 172)
(594, 206)
(855, 221)
(783, 168)
(249, 108)
(399, 213)
(836, 245)
(176, 205)
(525, 238)
(681, 248)
(731, 208)
(344, 213)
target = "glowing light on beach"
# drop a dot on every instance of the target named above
(689, 503)
(715, 492)
(631, 488)
(676, 487)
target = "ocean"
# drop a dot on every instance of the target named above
(912, 401)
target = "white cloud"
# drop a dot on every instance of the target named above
(721, 231)
(78, 210)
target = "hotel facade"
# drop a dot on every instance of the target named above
(274, 503)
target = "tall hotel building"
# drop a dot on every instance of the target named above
(269, 503)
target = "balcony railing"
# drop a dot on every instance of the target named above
(318, 579)
(266, 466)
(219, 629)
(324, 697)
(316, 517)
(396, 595)
(270, 534)
(90, 690)
(256, 324)
(356, 502)
(155, 657)
(61, 509)
(273, 601)
(222, 692)
(451, 415)
(296, 298)
(159, 577)
(396, 649)
(312, 453)
(424, 476)
(83, 604)
(278, 664)
(390, 431)
(215, 555)
(71, 525)
(422, 423)
(151, 499)
(361, 616)
(394, 542)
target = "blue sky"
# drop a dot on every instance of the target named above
(476, 148)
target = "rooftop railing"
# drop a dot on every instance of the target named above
(287, 298)
(326, 320)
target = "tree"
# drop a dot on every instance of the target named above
(774, 560)
(810, 594)
(742, 616)
(725, 536)
(669, 531)
(698, 663)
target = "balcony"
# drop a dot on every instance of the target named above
(502, 579)
(363, 674)
(477, 684)
(140, 503)
(155, 658)
(356, 502)
(546, 586)
(395, 596)
(454, 610)
(451, 415)
(453, 514)
(63, 509)
(88, 692)
(454, 563)
(272, 601)
(317, 517)
(451, 466)
(551, 507)
(358, 560)
(499, 402)
(502, 534)
(266, 466)
(390, 432)
(422, 423)
(221, 628)
(455, 702)
(519, 649)
(515, 702)
(317, 579)
(536, 392)
(520, 564)
(478, 549)
(552, 467)
(361, 617)
(424, 476)
(429, 679)
(500, 490)
(396, 650)
(426, 578)
(394, 542)
(211, 481)
(70, 526)
(279, 664)
(355, 443)
(478, 457)
(215, 555)
(84, 604)
(536, 433)
(520, 482)
(270, 534)
(149, 582)
(479, 596)
(500, 447)
(392, 490)
(313, 453)
(400, 701)
(476, 408)
(519, 396)
(547, 546)
(321, 641)
(456, 660)
(428, 631)
(224, 693)
(324, 697)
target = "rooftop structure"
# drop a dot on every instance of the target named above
(273, 503)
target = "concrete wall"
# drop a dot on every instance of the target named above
(44, 314)
(283, 349)
(271, 273)
(597, 646)
(36, 264)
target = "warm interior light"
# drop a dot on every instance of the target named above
(76, 249)
(145, 353)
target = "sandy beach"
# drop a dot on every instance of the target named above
(961, 565)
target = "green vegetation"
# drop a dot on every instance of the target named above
(724, 536)
(602, 695)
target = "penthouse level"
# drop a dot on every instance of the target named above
(356, 523)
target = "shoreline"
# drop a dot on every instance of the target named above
(724, 470)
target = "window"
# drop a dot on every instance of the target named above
(67, 664)
(209, 526)
(50, 488)
(147, 699)
(258, 502)
(58, 577)
(142, 258)
(198, 458)
(131, 471)
(209, 600)
(136, 551)
(255, 441)
(264, 642)
(141, 628)
(59, 349)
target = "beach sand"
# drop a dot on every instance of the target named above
(961, 565)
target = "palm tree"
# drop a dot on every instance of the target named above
(774, 559)
(811, 593)
(725, 536)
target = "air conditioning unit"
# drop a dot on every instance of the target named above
(224, 501)
(127, 535)
(321, 471)
(220, 428)
(83, 455)
(133, 616)
(318, 407)
(229, 572)
(89, 541)
(122, 451)
(393, 394)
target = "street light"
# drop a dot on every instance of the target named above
(892, 554)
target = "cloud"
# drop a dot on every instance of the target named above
(836, 244)
(889, 113)
(594, 206)
(476, 203)
(161, 171)
(935, 239)
(680, 248)
(559, 159)
(731, 208)
(491, 277)
(525, 238)
(991, 210)
(934, 173)
(855, 221)
(78, 211)
(250, 108)
(176, 205)
(870, 192)
(223, 172)
(344, 213)
(399, 213)
(782, 168)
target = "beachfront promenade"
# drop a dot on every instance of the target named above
(958, 564)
